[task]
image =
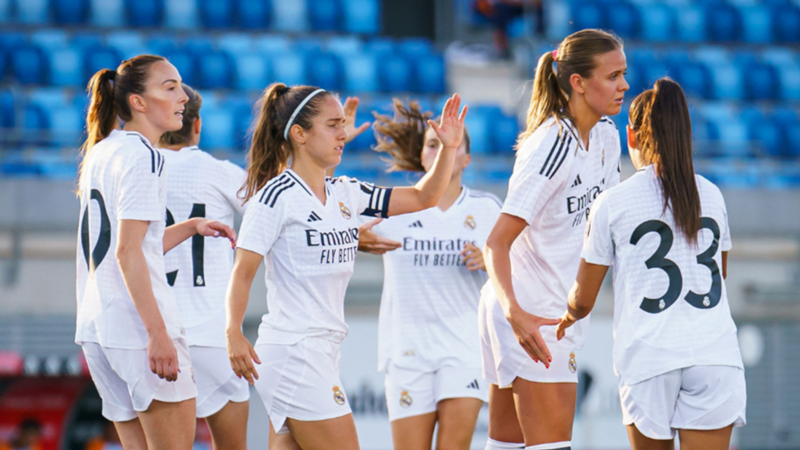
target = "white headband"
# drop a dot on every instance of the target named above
(297, 111)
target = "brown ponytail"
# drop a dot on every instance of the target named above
(269, 152)
(191, 112)
(660, 117)
(404, 136)
(551, 86)
(109, 92)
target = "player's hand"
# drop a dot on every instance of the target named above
(473, 257)
(242, 355)
(350, 109)
(162, 355)
(450, 129)
(526, 329)
(371, 242)
(566, 322)
(213, 228)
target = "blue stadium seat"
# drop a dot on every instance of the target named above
(760, 82)
(254, 14)
(245, 110)
(587, 15)
(414, 47)
(505, 130)
(71, 12)
(186, 64)
(144, 13)
(33, 12)
(49, 39)
(107, 13)
(344, 45)
(11, 40)
(324, 70)
(431, 74)
(694, 78)
(290, 16)
(28, 65)
(34, 120)
(477, 122)
(789, 81)
(764, 131)
(127, 43)
(215, 71)
(380, 46)
(395, 74)
(756, 24)
(5, 12)
(691, 23)
(252, 72)
(198, 45)
(361, 73)
(624, 20)
(308, 44)
(365, 140)
(727, 81)
(786, 20)
(235, 43)
(729, 132)
(218, 129)
(362, 16)
(66, 68)
(657, 23)
(8, 105)
(325, 15)
(270, 44)
(216, 13)
(289, 68)
(161, 44)
(724, 22)
(181, 14)
(84, 41)
(99, 58)
(787, 119)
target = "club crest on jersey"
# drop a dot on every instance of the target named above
(573, 365)
(469, 223)
(338, 395)
(405, 399)
(345, 211)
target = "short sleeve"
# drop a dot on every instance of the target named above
(372, 201)
(235, 178)
(261, 227)
(725, 243)
(613, 169)
(139, 188)
(598, 246)
(539, 171)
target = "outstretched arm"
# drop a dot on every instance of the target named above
(179, 232)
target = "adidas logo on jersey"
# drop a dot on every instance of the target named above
(416, 224)
(577, 181)
(473, 385)
(313, 217)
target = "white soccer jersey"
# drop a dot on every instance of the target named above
(123, 179)
(671, 308)
(554, 183)
(309, 250)
(429, 307)
(198, 269)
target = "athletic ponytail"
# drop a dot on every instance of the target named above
(269, 151)
(551, 85)
(660, 117)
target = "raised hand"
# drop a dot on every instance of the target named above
(371, 242)
(350, 110)
(566, 321)
(213, 228)
(450, 128)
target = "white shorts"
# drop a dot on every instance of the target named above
(127, 385)
(504, 359)
(693, 398)
(412, 392)
(217, 384)
(301, 381)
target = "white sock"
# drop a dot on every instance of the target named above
(491, 444)
(563, 445)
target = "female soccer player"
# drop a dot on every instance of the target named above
(128, 321)
(568, 154)
(666, 232)
(428, 333)
(302, 224)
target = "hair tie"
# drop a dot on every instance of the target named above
(297, 111)
(555, 55)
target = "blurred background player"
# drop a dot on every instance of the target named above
(665, 230)
(568, 154)
(428, 333)
(302, 226)
(128, 322)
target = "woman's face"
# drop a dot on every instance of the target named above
(430, 148)
(163, 97)
(324, 141)
(605, 90)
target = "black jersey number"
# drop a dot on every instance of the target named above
(659, 261)
(198, 249)
(96, 256)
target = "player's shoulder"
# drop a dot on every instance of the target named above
(279, 190)
(551, 146)
(482, 198)
(138, 150)
(707, 189)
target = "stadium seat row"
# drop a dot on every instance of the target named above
(296, 16)
(53, 116)
(681, 21)
(230, 61)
